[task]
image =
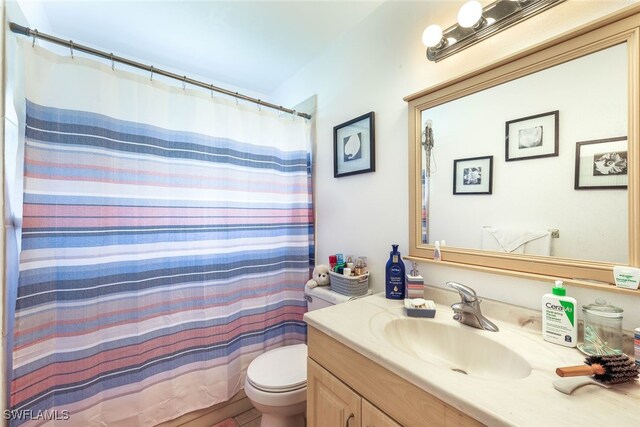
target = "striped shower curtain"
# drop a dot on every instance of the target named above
(167, 237)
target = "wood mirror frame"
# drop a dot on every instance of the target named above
(620, 27)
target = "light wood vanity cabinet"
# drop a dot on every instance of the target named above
(331, 403)
(346, 389)
(374, 417)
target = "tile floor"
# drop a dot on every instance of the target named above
(250, 418)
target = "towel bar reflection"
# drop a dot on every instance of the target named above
(555, 232)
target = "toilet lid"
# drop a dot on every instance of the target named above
(279, 370)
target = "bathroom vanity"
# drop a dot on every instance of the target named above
(352, 388)
(371, 365)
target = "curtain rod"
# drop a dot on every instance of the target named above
(19, 29)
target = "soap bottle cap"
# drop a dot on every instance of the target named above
(559, 289)
(437, 244)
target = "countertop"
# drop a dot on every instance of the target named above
(530, 401)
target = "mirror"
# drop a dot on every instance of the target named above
(520, 124)
(527, 167)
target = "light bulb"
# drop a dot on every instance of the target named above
(469, 14)
(432, 35)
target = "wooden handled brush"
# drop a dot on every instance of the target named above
(612, 369)
(576, 371)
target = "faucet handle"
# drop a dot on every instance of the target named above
(467, 294)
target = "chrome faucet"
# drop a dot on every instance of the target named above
(468, 311)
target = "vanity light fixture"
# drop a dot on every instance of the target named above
(476, 23)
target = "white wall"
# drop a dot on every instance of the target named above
(33, 14)
(590, 94)
(12, 202)
(3, 300)
(372, 68)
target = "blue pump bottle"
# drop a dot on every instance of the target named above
(395, 276)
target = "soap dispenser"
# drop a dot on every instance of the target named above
(559, 320)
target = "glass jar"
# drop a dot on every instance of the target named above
(602, 329)
(361, 265)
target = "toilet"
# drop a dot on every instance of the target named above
(276, 381)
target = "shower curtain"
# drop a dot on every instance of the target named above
(167, 237)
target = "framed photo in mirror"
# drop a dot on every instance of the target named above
(601, 164)
(354, 146)
(532, 137)
(473, 175)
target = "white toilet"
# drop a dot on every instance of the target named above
(276, 381)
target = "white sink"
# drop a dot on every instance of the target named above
(457, 347)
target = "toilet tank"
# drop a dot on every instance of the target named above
(322, 296)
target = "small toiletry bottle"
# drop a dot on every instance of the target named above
(333, 260)
(360, 268)
(395, 275)
(559, 321)
(350, 264)
(437, 256)
(340, 264)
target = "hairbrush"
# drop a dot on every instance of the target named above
(609, 369)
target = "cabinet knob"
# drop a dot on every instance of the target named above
(352, 415)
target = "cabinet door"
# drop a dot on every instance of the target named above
(330, 403)
(374, 417)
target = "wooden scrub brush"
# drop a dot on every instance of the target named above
(609, 369)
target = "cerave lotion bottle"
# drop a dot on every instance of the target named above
(559, 320)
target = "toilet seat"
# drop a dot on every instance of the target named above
(279, 370)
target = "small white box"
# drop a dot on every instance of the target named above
(626, 277)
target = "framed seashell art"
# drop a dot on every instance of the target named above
(354, 146)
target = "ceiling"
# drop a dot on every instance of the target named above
(254, 45)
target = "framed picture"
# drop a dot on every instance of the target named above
(473, 175)
(354, 146)
(601, 164)
(532, 137)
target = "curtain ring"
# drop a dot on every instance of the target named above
(212, 91)
(113, 67)
(184, 82)
(259, 106)
(237, 103)
(35, 34)
(294, 113)
(71, 47)
(151, 78)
